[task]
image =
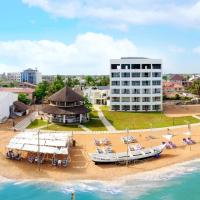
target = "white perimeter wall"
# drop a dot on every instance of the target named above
(6, 100)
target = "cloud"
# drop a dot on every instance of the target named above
(176, 49)
(124, 12)
(88, 54)
(197, 50)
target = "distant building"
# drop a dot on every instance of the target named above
(27, 85)
(98, 95)
(14, 76)
(31, 76)
(3, 76)
(6, 104)
(170, 89)
(66, 106)
(177, 78)
(136, 84)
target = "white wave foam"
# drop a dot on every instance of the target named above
(132, 185)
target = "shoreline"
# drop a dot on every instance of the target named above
(157, 174)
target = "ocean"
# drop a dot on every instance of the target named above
(178, 182)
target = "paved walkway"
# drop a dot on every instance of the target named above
(106, 123)
(21, 126)
(197, 117)
(85, 128)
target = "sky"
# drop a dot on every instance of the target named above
(81, 36)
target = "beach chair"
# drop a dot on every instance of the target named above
(189, 142)
(172, 144)
(97, 142)
(105, 141)
(192, 141)
(185, 141)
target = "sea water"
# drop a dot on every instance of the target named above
(180, 182)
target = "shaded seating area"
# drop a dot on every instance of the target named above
(41, 147)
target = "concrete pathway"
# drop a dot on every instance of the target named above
(195, 116)
(106, 123)
(21, 126)
(85, 128)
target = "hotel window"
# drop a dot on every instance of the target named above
(125, 66)
(114, 66)
(146, 74)
(135, 66)
(146, 99)
(156, 66)
(125, 99)
(115, 91)
(135, 74)
(125, 107)
(135, 83)
(146, 66)
(125, 74)
(115, 74)
(115, 99)
(125, 83)
(116, 83)
(136, 91)
(125, 91)
(135, 107)
(156, 107)
(146, 107)
(156, 82)
(156, 99)
(115, 107)
(146, 83)
(146, 91)
(156, 91)
(156, 74)
(135, 99)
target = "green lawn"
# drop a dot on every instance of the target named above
(94, 114)
(37, 123)
(95, 125)
(131, 120)
(60, 127)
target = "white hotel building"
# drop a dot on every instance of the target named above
(136, 84)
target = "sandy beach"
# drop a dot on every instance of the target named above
(82, 168)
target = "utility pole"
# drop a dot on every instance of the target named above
(127, 134)
(38, 154)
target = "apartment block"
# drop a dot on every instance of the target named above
(136, 84)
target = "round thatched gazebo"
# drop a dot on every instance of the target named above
(66, 106)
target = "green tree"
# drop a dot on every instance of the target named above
(69, 82)
(56, 85)
(24, 98)
(195, 88)
(41, 91)
(87, 103)
(90, 81)
(103, 81)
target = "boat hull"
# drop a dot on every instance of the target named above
(116, 158)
